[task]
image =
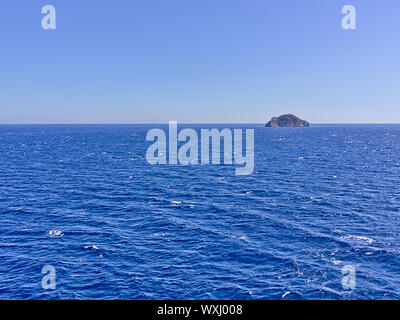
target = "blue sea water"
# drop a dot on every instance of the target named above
(84, 200)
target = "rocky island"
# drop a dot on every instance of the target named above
(287, 120)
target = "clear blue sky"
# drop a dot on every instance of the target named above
(239, 61)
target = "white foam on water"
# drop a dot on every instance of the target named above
(336, 262)
(243, 238)
(159, 234)
(91, 247)
(55, 233)
(362, 239)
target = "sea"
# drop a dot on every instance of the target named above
(83, 201)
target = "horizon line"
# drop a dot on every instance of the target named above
(191, 123)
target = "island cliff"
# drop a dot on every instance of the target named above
(287, 120)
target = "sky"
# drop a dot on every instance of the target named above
(208, 61)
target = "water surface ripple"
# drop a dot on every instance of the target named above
(84, 199)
